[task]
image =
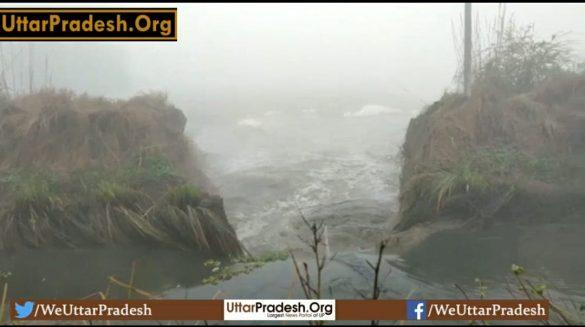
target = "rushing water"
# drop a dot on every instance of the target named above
(344, 170)
(341, 169)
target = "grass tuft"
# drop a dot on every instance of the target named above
(116, 193)
(184, 196)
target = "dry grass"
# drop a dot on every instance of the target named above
(458, 149)
(80, 171)
(61, 132)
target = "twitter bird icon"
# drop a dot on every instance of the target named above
(23, 311)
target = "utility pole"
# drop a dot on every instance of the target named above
(467, 51)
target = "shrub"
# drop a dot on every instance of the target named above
(519, 62)
(462, 178)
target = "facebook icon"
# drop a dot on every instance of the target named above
(416, 310)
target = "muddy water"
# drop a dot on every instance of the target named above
(344, 170)
(79, 273)
(272, 167)
(340, 169)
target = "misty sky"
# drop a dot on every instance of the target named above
(240, 57)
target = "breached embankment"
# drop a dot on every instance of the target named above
(494, 156)
(79, 171)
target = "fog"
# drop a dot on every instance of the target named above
(235, 58)
(302, 110)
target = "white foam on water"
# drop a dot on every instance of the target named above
(250, 122)
(373, 110)
(324, 166)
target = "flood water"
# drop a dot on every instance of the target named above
(340, 169)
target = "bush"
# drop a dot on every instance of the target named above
(462, 178)
(520, 61)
